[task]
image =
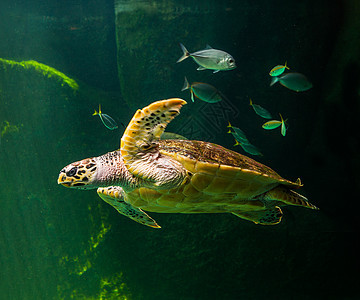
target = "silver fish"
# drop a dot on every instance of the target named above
(293, 81)
(210, 58)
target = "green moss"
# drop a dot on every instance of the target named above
(7, 128)
(45, 70)
(77, 267)
(114, 287)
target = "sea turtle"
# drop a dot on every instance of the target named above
(181, 176)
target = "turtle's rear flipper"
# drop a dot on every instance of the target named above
(264, 217)
(114, 195)
(288, 197)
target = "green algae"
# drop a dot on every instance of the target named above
(42, 69)
(106, 286)
(79, 265)
(7, 128)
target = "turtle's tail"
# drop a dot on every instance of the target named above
(288, 197)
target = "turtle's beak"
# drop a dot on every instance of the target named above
(79, 174)
(62, 180)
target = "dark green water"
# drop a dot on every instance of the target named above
(58, 243)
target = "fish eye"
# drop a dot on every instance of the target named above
(231, 60)
(72, 172)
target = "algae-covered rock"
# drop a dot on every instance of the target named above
(45, 120)
(41, 69)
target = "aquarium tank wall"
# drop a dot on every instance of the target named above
(298, 62)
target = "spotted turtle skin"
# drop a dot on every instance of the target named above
(181, 176)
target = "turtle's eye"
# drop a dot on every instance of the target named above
(146, 147)
(72, 172)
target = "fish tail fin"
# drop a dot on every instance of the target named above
(229, 126)
(97, 113)
(237, 143)
(186, 85)
(282, 119)
(185, 55)
(274, 80)
(192, 95)
(251, 103)
(286, 66)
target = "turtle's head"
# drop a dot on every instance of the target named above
(80, 174)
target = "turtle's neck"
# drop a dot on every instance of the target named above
(111, 170)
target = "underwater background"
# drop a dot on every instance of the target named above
(60, 59)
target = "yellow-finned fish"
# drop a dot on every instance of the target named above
(242, 141)
(210, 58)
(249, 148)
(275, 124)
(172, 136)
(278, 70)
(283, 127)
(271, 124)
(238, 134)
(262, 112)
(293, 81)
(106, 119)
(202, 91)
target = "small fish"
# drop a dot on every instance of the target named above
(271, 124)
(172, 136)
(275, 124)
(262, 112)
(241, 139)
(293, 81)
(283, 127)
(202, 91)
(106, 119)
(238, 134)
(278, 70)
(249, 148)
(210, 58)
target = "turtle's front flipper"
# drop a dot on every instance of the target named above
(139, 147)
(146, 126)
(114, 195)
(270, 216)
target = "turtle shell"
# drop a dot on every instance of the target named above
(218, 180)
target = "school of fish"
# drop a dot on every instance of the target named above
(219, 60)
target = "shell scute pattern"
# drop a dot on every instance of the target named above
(218, 185)
(191, 192)
(227, 171)
(182, 176)
(170, 200)
(201, 181)
(215, 160)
